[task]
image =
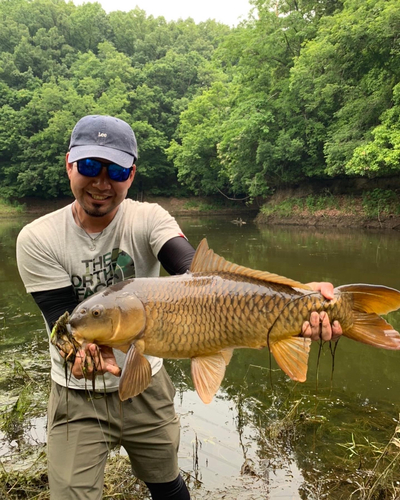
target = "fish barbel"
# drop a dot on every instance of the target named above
(213, 309)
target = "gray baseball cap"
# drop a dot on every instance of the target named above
(104, 137)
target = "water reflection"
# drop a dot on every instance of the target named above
(307, 254)
(263, 436)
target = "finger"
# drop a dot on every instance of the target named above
(109, 361)
(78, 370)
(327, 290)
(311, 329)
(103, 360)
(315, 326)
(326, 330)
(115, 370)
(88, 367)
(336, 330)
(87, 362)
(306, 329)
(106, 351)
(95, 357)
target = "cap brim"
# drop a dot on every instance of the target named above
(116, 156)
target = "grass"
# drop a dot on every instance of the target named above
(381, 202)
(10, 208)
(201, 206)
(382, 477)
(365, 471)
(204, 206)
(361, 469)
(23, 468)
(302, 205)
(25, 476)
(372, 204)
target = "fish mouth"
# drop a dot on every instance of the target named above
(60, 327)
(72, 324)
(62, 338)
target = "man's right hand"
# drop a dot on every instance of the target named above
(93, 360)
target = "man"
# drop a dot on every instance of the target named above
(67, 255)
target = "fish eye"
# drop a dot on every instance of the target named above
(97, 311)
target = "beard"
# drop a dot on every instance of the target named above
(97, 211)
(94, 209)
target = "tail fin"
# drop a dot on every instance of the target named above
(369, 301)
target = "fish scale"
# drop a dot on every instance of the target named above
(220, 311)
(215, 308)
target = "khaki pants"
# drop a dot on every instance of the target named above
(146, 426)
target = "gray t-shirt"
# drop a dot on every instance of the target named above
(54, 252)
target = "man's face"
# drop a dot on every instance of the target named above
(98, 196)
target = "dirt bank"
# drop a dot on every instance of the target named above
(203, 205)
(373, 205)
(176, 206)
(391, 222)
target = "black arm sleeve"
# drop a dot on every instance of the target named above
(176, 255)
(54, 303)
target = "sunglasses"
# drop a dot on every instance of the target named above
(92, 168)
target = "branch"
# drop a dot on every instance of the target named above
(233, 199)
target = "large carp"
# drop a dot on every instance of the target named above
(213, 309)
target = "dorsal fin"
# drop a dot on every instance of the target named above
(206, 261)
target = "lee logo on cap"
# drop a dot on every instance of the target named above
(102, 134)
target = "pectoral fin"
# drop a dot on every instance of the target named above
(207, 374)
(291, 354)
(227, 354)
(136, 373)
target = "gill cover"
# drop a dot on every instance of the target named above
(131, 318)
(113, 318)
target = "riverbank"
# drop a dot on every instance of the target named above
(176, 206)
(328, 219)
(375, 208)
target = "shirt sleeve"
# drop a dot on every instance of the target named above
(163, 227)
(38, 265)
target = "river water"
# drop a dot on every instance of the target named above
(263, 436)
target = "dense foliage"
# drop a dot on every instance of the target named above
(304, 89)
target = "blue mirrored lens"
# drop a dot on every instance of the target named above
(91, 168)
(118, 173)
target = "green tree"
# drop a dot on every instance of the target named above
(344, 78)
(381, 155)
(259, 142)
(88, 26)
(196, 158)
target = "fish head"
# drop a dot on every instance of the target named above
(110, 319)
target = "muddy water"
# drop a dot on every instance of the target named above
(263, 436)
